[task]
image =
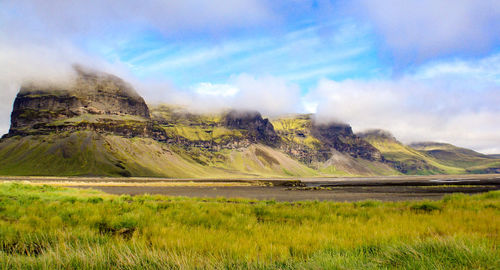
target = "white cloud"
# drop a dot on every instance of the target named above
(106, 18)
(437, 108)
(22, 64)
(220, 90)
(486, 69)
(422, 29)
(269, 95)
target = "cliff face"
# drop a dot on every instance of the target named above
(341, 138)
(377, 134)
(312, 142)
(259, 129)
(91, 93)
(108, 94)
(35, 107)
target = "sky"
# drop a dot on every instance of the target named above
(425, 70)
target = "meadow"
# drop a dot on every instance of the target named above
(50, 227)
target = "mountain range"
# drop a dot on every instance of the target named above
(98, 125)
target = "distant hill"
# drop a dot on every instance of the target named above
(437, 148)
(99, 126)
(452, 155)
(405, 158)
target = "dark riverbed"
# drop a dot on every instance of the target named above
(388, 188)
(341, 193)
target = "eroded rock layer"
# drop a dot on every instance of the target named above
(90, 96)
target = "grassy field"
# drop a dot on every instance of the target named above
(50, 227)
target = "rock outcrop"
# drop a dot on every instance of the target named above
(93, 94)
(341, 138)
(258, 129)
(378, 134)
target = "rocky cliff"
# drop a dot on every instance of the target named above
(90, 96)
(259, 129)
(341, 138)
(313, 142)
(377, 134)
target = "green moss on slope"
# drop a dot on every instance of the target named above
(451, 155)
(411, 161)
(79, 153)
(90, 153)
(296, 129)
(200, 133)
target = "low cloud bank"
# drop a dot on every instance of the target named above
(414, 110)
(269, 95)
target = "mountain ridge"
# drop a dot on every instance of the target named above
(99, 125)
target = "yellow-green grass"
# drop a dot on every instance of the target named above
(199, 133)
(484, 167)
(46, 227)
(254, 161)
(343, 164)
(173, 183)
(293, 122)
(96, 117)
(181, 115)
(333, 170)
(458, 157)
(394, 151)
(289, 127)
(455, 186)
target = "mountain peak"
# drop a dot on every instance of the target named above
(260, 129)
(89, 93)
(377, 134)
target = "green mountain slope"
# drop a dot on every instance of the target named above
(87, 153)
(99, 126)
(300, 141)
(406, 159)
(459, 157)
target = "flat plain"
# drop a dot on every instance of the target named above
(392, 188)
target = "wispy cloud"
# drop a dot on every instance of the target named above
(299, 55)
(217, 90)
(420, 30)
(486, 69)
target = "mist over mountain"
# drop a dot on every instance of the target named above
(97, 124)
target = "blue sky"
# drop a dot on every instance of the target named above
(422, 69)
(300, 54)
